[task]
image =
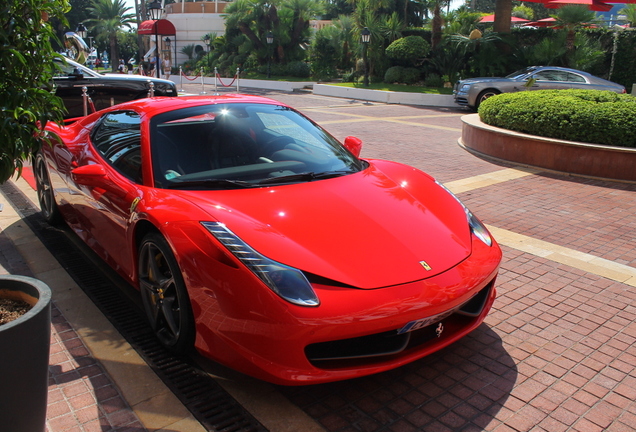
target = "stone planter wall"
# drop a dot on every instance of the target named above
(614, 163)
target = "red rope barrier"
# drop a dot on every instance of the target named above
(190, 79)
(228, 85)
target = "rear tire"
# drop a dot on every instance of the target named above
(164, 295)
(46, 194)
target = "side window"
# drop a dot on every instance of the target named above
(117, 138)
(551, 75)
(572, 77)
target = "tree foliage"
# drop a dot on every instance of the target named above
(109, 17)
(27, 65)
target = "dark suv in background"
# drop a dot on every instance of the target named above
(104, 89)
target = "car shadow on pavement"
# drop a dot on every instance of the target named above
(462, 386)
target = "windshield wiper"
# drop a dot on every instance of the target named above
(215, 183)
(307, 176)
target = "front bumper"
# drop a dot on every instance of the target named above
(352, 333)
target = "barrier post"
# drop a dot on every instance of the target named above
(216, 72)
(85, 99)
(238, 71)
(181, 76)
(202, 84)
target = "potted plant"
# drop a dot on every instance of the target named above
(24, 363)
(27, 103)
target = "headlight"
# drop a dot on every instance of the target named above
(464, 88)
(476, 226)
(288, 282)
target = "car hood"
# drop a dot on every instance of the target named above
(485, 80)
(372, 229)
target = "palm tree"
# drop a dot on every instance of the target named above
(571, 18)
(109, 17)
(630, 12)
(503, 14)
(437, 22)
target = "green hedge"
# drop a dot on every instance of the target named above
(592, 116)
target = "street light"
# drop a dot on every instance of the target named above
(207, 41)
(81, 31)
(365, 35)
(269, 37)
(155, 10)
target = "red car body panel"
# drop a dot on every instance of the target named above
(363, 236)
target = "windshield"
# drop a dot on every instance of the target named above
(68, 67)
(243, 145)
(521, 73)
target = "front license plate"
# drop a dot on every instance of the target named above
(424, 322)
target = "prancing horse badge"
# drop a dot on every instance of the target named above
(425, 265)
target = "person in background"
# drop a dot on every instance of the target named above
(167, 67)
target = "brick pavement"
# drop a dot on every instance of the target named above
(555, 354)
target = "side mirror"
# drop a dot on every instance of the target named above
(89, 175)
(354, 145)
(95, 176)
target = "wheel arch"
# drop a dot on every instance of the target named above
(493, 90)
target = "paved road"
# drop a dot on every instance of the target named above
(557, 351)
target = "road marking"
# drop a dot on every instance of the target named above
(573, 258)
(550, 251)
(489, 179)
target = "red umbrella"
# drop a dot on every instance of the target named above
(491, 18)
(595, 5)
(545, 22)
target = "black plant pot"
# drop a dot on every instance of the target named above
(24, 357)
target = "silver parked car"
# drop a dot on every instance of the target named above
(473, 91)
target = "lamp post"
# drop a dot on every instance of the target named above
(155, 10)
(81, 30)
(269, 37)
(365, 36)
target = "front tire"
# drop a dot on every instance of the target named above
(485, 95)
(164, 295)
(46, 194)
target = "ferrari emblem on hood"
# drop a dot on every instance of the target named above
(425, 265)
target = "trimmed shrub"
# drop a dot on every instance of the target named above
(591, 116)
(408, 51)
(433, 80)
(299, 69)
(411, 76)
(394, 74)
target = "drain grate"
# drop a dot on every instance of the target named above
(208, 402)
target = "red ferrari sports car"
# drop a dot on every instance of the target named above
(259, 239)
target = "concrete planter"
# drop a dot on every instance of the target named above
(24, 357)
(593, 160)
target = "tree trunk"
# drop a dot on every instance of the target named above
(436, 26)
(503, 14)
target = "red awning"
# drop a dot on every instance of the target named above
(159, 27)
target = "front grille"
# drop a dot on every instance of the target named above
(377, 347)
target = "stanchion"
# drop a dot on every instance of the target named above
(85, 99)
(238, 71)
(202, 83)
(181, 82)
(151, 89)
(216, 73)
